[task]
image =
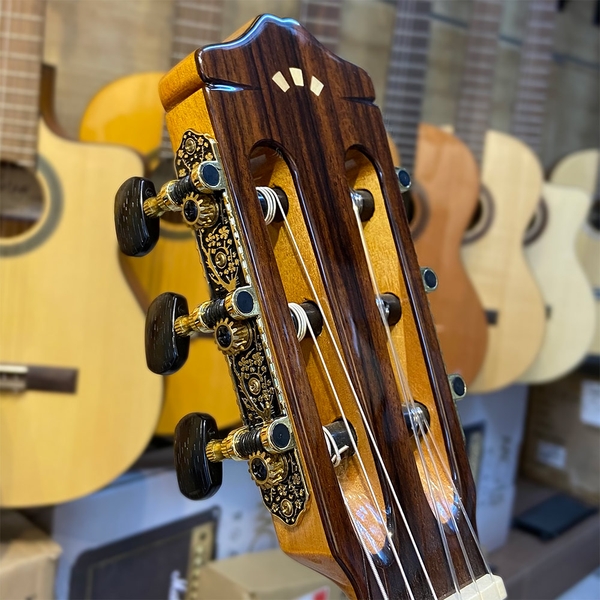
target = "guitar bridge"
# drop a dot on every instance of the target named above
(21, 378)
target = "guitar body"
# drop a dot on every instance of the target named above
(569, 300)
(580, 169)
(66, 304)
(496, 262)
(448, 178)
(128, 111)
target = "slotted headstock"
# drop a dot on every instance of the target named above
(319, 305)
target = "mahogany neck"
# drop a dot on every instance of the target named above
(406, 76)
(534, 73)
(21, 54)
(195, 24)
(323, 18)
(475, 102)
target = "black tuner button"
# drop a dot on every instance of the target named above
(403, 179)
(458, 387)
(430, 280)
(364, 201)
(393, 308)
(197, 476)
(136, 232)
(166, 349)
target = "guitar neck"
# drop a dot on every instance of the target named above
(322, 18)
(475, 102)
(195, 24)
(21, 53)
(534, 73)
(406, 76)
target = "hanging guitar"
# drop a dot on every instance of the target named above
(319, 306)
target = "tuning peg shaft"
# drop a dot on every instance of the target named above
(198, 477)
(166, 349)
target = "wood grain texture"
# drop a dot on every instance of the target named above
(128, 111)
(233, 83)
(447, 173)
(497, 266)
(580, 170)
(66, 303)
(565, 288)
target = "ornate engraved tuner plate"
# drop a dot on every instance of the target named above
(259, 395)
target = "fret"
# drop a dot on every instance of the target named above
(534, 73)
(194, 41)
(25, 137)
(201, 7)
(20, 56)
(12, 91)
(19, 74)
(24, 37)
(18, 107)
(14, 16)
(17, 122)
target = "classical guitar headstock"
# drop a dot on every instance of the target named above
(319, 306)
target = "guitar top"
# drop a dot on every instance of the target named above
(77, 403)
(318, 304)
(582, 170)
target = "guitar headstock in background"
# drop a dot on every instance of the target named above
(319, 305)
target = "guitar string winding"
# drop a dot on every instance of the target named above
(363, 416)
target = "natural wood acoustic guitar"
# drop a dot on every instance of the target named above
(77, 403)
(440, 162)
(511, 179)
(551, 237)
(319, 305)
(582, 170)
(128, 111)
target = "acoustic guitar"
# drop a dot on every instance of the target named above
(511, 179)
(77, 403)
(319, 305)
(440, 162)
(582, 170)
(551, 237)
(128, 111)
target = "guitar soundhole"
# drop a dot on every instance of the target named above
(537, 224)
(482, 217)
(22, 200)
(594, 216)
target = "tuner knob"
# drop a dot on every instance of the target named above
(166, 347)
(137, 233)
(197, 476)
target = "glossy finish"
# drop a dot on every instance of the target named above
(313, 126)
(198, 478)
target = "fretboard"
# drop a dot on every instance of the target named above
(534, 73)
(323, 18)
(195, 24)
(475, 102)
(21, 52)
(406, 76)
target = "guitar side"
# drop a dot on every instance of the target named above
(128, 112)
(66, 304)
(580, 170)
(446, 171)
(564, 285)
(497, 266)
